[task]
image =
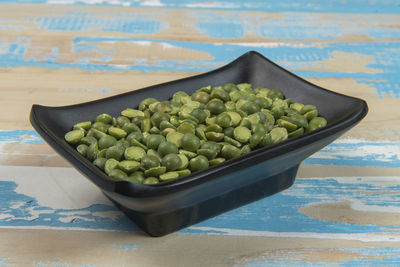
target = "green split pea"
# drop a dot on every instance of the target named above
(161, 141)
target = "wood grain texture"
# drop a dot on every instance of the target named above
(100, 248)
(66, 86)
(355, 208)
(83, 54)
(350, 6)
(343, 208)
(200, 25)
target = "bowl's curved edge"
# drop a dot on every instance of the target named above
(47, 135)
(129, 189)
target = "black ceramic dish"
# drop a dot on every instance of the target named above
(164, 208)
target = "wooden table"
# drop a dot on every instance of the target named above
(344, 207)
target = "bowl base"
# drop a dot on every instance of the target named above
(159, 224)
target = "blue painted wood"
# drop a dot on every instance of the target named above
(113, 22)
(20, 136)
(293, 26)
(302, 257)
(349, 6)
(358, 153)
(216, 24)
(23, 210)
(304, 59)
(280, 213)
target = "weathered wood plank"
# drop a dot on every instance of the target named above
(350, 6)
(351, 208)
(376, 73)
(102, 248)
(200, 25)
(312, 170)
(24, 86)
(68, 86)
(364, 61)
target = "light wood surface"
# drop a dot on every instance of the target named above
(344, 208)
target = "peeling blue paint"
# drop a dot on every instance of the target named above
(86, 90)
(20, 136)
(290, 26)
(278, 213)
(22, 210)
(4, 263)
(117, 22)
(6, 26)
(128, 246)
(299, 257)
(215, 24)
(218, 25)
(304, 59)
(53, 56)
(349, 6)
(377, 154)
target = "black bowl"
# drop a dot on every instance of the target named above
(167, 207)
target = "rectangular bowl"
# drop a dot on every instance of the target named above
(167, 207)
